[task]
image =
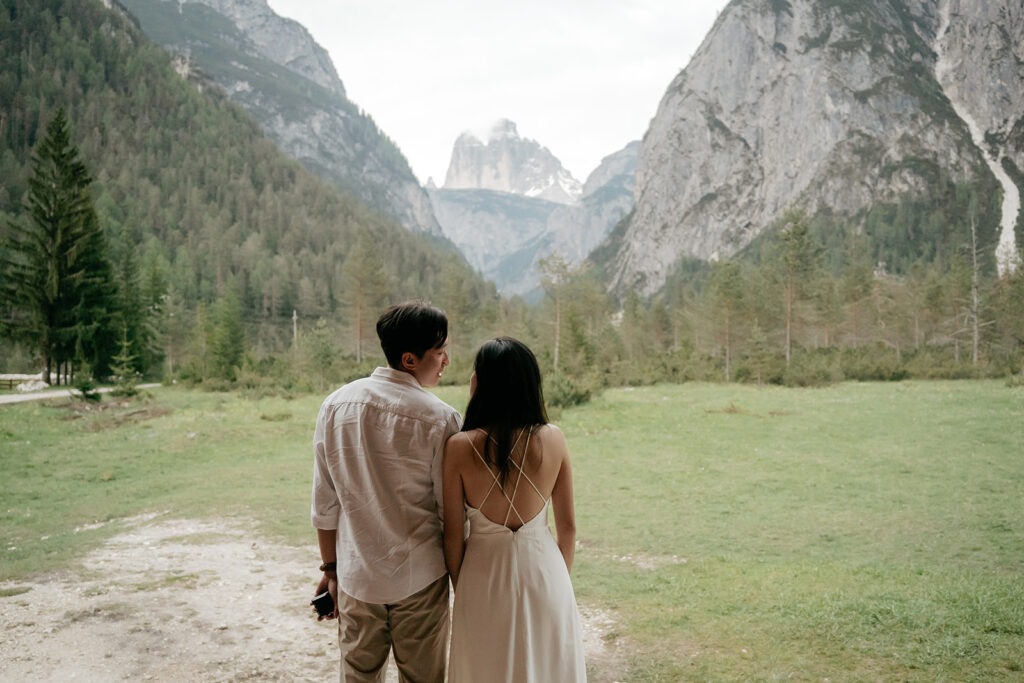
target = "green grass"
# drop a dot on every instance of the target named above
(191, 453)
(862, 531)
(859, 531)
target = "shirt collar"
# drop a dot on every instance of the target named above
(389, 374)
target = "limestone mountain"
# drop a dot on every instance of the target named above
(504, 234)
(274, 69)
(840, 107)
(499, 159)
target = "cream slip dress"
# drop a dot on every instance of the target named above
(515, 616)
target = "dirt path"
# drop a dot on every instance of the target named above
(58, 393)
(173, 599)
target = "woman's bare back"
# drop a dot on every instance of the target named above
(536, 461)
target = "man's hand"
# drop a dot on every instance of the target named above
(327, 540)
(328, 583)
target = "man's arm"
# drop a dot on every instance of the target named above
(324, 511)
(327, 540)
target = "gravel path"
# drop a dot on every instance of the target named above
(175, 599)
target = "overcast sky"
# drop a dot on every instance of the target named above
(582, 77)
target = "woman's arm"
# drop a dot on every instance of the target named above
(455, 513)
(562, 502)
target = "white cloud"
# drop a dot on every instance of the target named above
(581, 77)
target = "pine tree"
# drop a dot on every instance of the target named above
(725, 288)
(759, 356)
(228, 344)
(554, 276)
(56, 277)
(133, 310)
(366, 285)
(319, 354)
(124, 367)
(171, 330)
(196, 365)
(798, 260)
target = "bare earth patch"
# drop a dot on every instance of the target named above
(174, 599)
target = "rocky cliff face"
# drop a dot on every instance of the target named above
(499, 159)
(830, 105)
(499, 233)
(984, 44)
(274, 68)
(280, 40)
(607, 197)
(504, 235)
(979, 50)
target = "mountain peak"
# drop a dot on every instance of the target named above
(495, 157)
(492, 131)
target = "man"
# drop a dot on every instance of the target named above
(378, 445)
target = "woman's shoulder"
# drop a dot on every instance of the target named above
(460, 442)
(551, 437)
(550, 431)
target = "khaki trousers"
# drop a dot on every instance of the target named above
(416, 627)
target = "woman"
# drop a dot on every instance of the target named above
(515, 616)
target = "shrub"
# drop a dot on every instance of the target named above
(812, 369)
(561, 391)
(85, 384)
(874, 362)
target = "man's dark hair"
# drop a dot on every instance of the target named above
(413, 326)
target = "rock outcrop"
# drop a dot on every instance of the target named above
(499, 159)
(504, 235)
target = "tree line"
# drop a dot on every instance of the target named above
(795, 312)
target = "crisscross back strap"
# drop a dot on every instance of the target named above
(494, 477)
(523, 472)
(519, 477)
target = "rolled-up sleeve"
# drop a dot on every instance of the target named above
(325, 506)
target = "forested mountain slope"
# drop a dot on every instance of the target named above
(286, 81)
(189, 188)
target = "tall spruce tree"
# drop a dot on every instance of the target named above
(365, 281)
(798, 256)
(555, 273)
(56, 279)
(725, 286)
(132, 308)
(228, 343)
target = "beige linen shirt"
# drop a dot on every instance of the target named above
(377, 446)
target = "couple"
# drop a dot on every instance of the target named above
(389, 457)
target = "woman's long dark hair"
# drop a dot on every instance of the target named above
(508, 396)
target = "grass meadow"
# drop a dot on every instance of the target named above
(855, 532)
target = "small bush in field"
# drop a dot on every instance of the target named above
(562, 391)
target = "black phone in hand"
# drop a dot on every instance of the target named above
(324, 604)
